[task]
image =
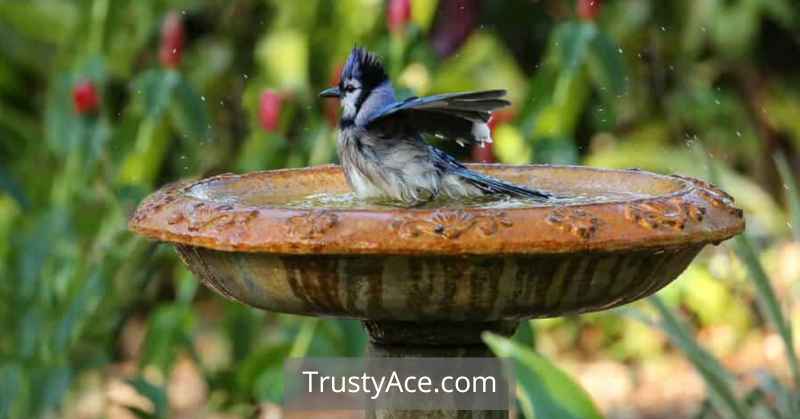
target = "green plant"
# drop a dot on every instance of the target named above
(628, 84)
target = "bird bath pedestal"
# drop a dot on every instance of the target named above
(427, 282)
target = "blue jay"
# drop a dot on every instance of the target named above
(380, 142)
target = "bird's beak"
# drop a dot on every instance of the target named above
(331, 92)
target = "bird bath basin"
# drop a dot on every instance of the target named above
(428, 281)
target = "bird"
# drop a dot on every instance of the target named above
(381, 146)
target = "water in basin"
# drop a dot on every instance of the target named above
(327, 188)
(347, 200)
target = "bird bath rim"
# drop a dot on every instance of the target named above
(677, 212)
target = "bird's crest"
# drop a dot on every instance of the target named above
(364, 67)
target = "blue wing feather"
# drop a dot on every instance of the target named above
(485, 183)
(451, 115)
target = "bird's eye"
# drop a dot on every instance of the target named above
(349, 89)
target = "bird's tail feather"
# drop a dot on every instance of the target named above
(495, 186)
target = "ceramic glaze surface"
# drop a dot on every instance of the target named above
(626, 235)
(621, 210)
(437, 288)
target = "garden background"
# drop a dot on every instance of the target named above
(103, 101)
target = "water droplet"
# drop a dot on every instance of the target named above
(717, 102)
(738, 133)
(203, 98)
(619, 50)
(663, 29)
(245, 76)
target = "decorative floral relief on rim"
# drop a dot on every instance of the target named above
(715, 196)
(674, 213)
(159, 200)
(202, 217)
(576, 221)
(312, 224)
(450, 224)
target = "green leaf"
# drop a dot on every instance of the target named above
(80, 307)
(719, 381)
(303, 339)
(571, 42)
(767, 301)
(792, 193)
(556, 150)
(10, 186)
(250, 372)
(63, 128)
(526, 334)
(539, 94)
(155, 87)
(262, 151)
(155, 394)
(189, 112)
(12, 387)
(269, 385)
(142, 165)
(53, 388)
(607, 72)
(242, 326)
(544, 390)
(169, 330)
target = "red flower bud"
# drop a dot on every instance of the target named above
(500, 117)
(85, 97)
(588, 9)
(172, 38)
(269, 111)
(483, 153)
(398, 14)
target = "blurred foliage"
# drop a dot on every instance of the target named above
(687, 86)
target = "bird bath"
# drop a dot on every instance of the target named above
(429, 281)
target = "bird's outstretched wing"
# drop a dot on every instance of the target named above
(458, 116)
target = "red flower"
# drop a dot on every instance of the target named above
(85, 97)
(172, 38)
(588, 9)
(398, 14)
(483, 153)
(500, 117)
(269, 111)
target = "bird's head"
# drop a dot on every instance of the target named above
(363, 83)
